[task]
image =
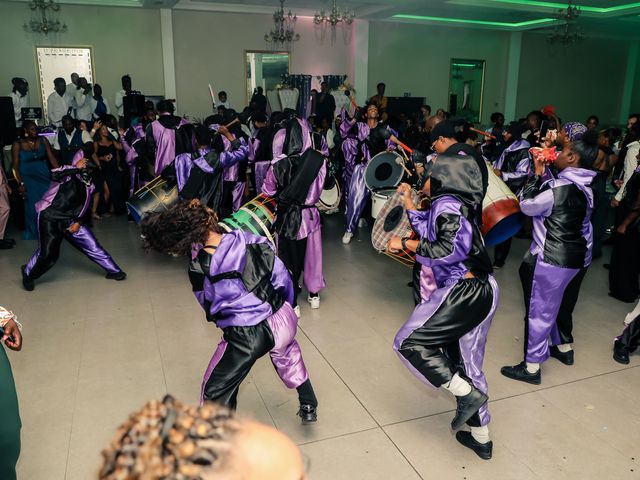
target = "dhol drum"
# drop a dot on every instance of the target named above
(392, 221)
(330, 196)
(383, 171)
(155, 196)
(501, 217)
(378, 200)
(256, 216)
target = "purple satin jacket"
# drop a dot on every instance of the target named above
(229, 158)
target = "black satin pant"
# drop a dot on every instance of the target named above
(630, 337)
(292, 253)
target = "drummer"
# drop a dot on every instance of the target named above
(443, 341)
(373, 138)
(296, 178)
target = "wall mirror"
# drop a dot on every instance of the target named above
(56, 62)
(466, 87)
(264, 69)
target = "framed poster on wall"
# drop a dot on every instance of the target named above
(56, 62)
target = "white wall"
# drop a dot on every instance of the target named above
(210, 48)
(415, 58)
(124, 40)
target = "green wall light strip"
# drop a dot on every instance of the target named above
(527, 23)
(538, 3)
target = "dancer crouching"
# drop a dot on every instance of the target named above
(245, 290)
(60, 213)
(443, 341)
(553, 268)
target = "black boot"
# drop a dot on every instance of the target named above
(308, 413)
(117, 276)
(27, 283)
(564, 357)
(620, 353)
(483, 450)
(467, 406)
(520, 372)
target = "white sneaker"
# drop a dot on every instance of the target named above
(346, 238)
(314, 301)
(296, 309)
(362, 223)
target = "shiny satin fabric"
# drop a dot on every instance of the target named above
(312, 274)
(544, 289)
(630, 337)
(240, 347)
(357, 196)
(456, 317)
(52, 232)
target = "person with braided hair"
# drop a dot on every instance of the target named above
(169, 439)
(246, 290)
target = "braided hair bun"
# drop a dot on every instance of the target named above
(170, 440)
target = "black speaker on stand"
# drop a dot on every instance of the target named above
(7, 121)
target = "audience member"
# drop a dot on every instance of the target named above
(19, 98)
(58, 104)
(69, 140)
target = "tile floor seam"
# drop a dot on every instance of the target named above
(512, 396)
(155, 328)
(359, 401)
(75, 396)
(311, 442)
(255, 385)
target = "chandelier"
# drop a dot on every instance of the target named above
(335, 16)
(569, 31)
(283, 34)
(43, 23)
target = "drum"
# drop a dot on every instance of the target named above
(256, 216)
(392, 221)
(330, 196)
(155, 196)
(501, 217)
(379, 198)
(383, 171)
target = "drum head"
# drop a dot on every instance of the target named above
(392, 221)
(383, 171)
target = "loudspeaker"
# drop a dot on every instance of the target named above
(7, 121)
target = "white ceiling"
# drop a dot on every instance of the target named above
(600, 16)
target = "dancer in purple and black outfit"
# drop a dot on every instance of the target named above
(245, 290)
(166, 138)
(556, 263)
(296, 179)
(60, 214)
(443, 341)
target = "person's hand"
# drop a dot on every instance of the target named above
(108, 157)
(12, 337)
(618, 184)
(74, 227)
(497, 172)
(222, 130)
(622, 229)
(22, 190)
(550, 138)
(539, 164)
(97, 125)
(394, 245)
(404, 189)
(82, 163)
(615, 203)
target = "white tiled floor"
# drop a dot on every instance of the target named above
(95, 350)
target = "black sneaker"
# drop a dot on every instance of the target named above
(483, 450)
(620, 353)
(308, 413)
(116, 276)
(6, 245)
(520, 372)
(467, 406)
(27, 283)
(497, 266)
(564, 357)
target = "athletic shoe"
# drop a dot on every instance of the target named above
(629, 318)
(564, 357)
(467, 405)
(308, 413)
(620, 353)
(346, 238)
(27, 283)
(296, 309)
(314, 301)
(116, 276)
(520, 372)
(483, 450)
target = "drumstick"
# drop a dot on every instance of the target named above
(395, 140)
(347, 93)
(233, 122)
(213, 97)
(481, 132)
(401, 163)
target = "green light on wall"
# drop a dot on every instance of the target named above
(466, 65)
(528, 23)
(538, 3)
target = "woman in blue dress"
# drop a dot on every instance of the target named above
(30, 168)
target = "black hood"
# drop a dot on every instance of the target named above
(458, 175)
(293, 142)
